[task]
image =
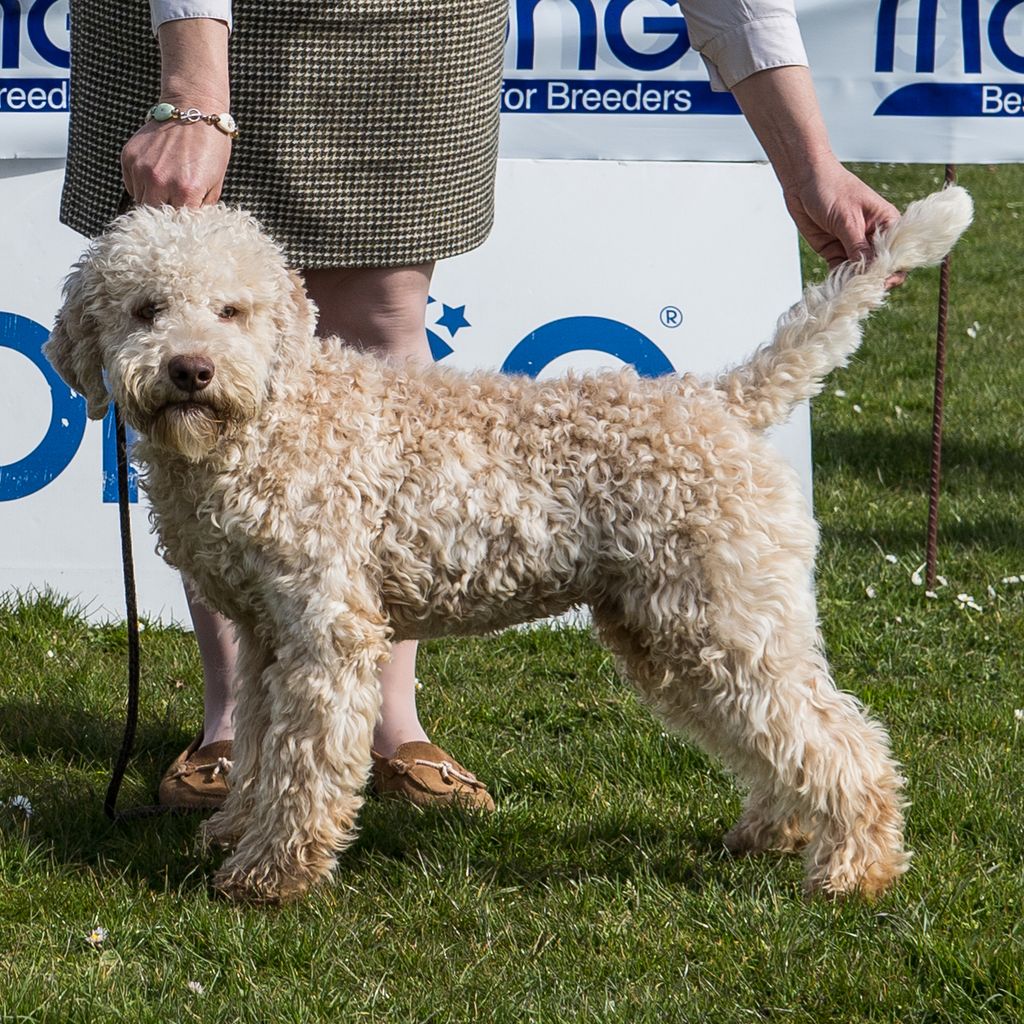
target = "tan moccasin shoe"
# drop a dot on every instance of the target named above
(426, 776)
(197, 780)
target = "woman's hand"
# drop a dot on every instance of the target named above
(176, 163)
(836, 212)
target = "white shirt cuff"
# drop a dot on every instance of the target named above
(176, 10)
(740, 44)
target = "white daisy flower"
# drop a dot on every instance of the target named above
(21, 803)
(97, 936)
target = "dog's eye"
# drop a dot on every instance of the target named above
(147, 312)
(228, 312)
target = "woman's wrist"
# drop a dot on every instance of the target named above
(194, 64)
(222, 120)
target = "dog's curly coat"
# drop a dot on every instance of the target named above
(331, 504)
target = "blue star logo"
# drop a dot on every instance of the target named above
(453, 319)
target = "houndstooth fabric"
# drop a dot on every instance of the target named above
(369, 128)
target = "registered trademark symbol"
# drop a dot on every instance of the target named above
(671, 316)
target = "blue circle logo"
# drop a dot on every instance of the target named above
(67, 417)
(583, 333)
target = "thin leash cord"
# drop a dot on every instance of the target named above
(132, 620)
(132, 614)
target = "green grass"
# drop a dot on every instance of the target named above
(599, 891)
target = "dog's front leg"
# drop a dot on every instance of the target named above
(314, 759)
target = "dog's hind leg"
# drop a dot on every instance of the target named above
(753, 689)
(314, 759)
(816, 763)
(672, 682)
(252, 718)
(820, 773)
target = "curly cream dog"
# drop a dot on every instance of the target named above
(332, 504)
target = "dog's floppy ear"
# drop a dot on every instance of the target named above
(73, 348)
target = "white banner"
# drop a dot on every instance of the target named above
(577, 272)
(899, 80)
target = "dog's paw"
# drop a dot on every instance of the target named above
(753, 835)
(263, 887)
(271, 874)
(865, 862)
(867, 878)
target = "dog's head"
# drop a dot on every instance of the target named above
(188, 319)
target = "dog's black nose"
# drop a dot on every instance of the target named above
(190, 373)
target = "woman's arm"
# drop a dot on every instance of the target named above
(171, 161)
(754, 49)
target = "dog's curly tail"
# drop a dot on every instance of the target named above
(823, 329)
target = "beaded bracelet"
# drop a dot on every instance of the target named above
(168, 112)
